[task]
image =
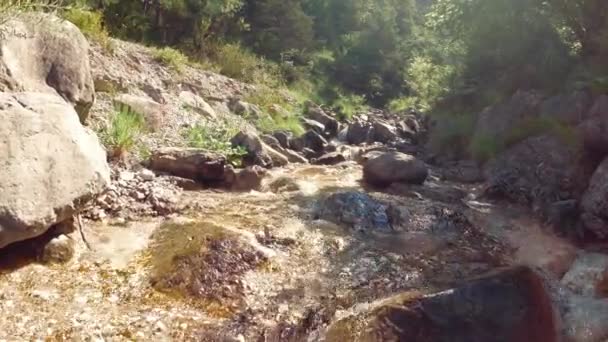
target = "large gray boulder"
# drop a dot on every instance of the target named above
(50, 165)
(394, 167)
(537, 172)
(42, 53)
(594, 204)
(499, 120)
(569, 108)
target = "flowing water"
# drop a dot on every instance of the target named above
(286, 273)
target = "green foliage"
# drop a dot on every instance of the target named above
(215, 136)
(427, 82)
(90, 23)
(279, 27)
(291, 123)
(122, 134)
(235, 61)
(171, 57)
(347, 106)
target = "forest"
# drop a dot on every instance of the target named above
(384, 53)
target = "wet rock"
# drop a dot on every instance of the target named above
(585, 319)
(283, 138)
(330, 124)
(384, 132)
(588, 276)
(259, 153)
(58, 250)
(594, 204)
(357, 210)
(51, 165)
(196, 164)
(313, 125)
(359, 132)
(311, 140)
(247, 179)
(292, 156)
(511, 305)
(330, 159)
(394, 167)
(284, 184)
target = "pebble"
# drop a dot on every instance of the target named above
(146, 175)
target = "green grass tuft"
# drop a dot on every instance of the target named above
(171, 58)
(215, 137)
(122, 134)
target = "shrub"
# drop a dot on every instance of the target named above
(123, 132)
(349, 105)
(234, 61)
(171, 58)
(215, 137)
(90, 23)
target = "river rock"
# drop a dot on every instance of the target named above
(585, 319)
(258, 152)
(588, 276)
(51, 165)
(511, 305)
(359, 132)
(384, 132)
(330, 124)
(247, 179)
(56, 62)
(59, 249)
(332, 158)
(394, 167)
(356, 210)
(311, 140)
(191, 163)
(313, 125)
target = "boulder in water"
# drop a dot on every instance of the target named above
(394, 167)
(357, 210)
(511, 305)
